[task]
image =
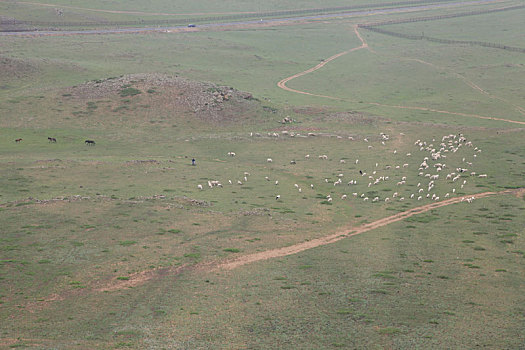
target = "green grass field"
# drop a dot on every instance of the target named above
(115, 246)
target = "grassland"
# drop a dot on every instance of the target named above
(115, 246)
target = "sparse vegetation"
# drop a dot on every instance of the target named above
(116, 246)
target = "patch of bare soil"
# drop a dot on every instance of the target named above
(12, 68)
(351, 117)
(138, 278)
(205, 101)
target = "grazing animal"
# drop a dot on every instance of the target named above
(90, 142)
(199, 187)
(269, 160)
(52, 139)
(277, 197)
(18, 140)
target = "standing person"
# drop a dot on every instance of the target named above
(193, 161)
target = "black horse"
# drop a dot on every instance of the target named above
(52, 139)
(90, 142)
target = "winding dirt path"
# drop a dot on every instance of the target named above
(282, 84)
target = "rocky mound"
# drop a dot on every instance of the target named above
(172, 94)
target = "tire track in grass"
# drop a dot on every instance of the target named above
(282, 84)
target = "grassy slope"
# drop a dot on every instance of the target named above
(433, 281)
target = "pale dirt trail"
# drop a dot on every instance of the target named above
(297, 248)
(282, 85)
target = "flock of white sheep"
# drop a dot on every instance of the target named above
(439, 173)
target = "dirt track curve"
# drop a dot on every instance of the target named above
(282, 85)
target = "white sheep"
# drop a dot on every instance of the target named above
(199, 187)
(269, 160)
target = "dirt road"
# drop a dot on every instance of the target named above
(282, 84)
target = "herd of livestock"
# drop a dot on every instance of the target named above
(434, 171)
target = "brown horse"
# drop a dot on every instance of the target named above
(18, 140)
